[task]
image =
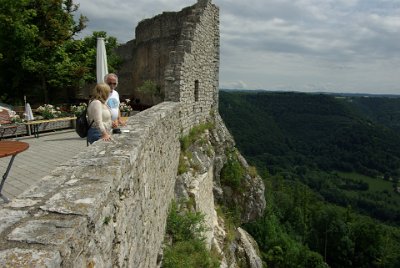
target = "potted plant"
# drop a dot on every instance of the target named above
(125, 108)
(48, 111)
(77, 110)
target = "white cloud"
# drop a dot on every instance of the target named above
(234, 84)
(337, 45)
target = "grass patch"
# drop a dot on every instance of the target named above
(253, 171)
(230, 223)
(187, 249)
(186, 141)
(375, 185)
(189, 254)
(183, 167)
(194, 134)
(367, 195)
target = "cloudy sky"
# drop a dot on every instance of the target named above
(296, 45)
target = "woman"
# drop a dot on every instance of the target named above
(99, 113)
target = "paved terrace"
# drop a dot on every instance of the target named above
(43, 155)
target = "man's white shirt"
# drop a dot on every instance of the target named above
(113, 103)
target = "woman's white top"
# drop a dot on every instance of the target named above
(101, 114)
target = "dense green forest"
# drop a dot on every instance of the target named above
(331, 165)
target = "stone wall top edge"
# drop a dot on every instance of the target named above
(82, 169)
(139, 126)
(173, 17)
(164, 15)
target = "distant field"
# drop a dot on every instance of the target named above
(375, 185)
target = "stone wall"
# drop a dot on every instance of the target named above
(197, 62)
(180, 52)
(106, 207)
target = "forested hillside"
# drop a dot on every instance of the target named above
(382, 110)
(314, 150)
(306, 130)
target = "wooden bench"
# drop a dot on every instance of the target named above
(6, 125)
(34, 125)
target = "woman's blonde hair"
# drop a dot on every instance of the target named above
(101, 92)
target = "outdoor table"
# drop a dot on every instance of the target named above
(33, 126)
(10, 148)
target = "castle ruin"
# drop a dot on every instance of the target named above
(179, 51)
(107, 207)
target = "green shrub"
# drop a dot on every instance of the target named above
(232, 173)
(149, 87)
(107, 220)
(185, 226)
(188, 249)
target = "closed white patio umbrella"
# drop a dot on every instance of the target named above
(28, 112)
(101, 60)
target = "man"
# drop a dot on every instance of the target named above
(113, 100)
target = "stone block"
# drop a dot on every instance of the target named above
(17, 257)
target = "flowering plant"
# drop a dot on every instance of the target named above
(16, 119)
(77, 110)
(48, 111)
(124, 106)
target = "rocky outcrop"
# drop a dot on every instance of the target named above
(247, 250)
(251, 200)
(202, 184)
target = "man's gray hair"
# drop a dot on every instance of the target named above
(110, 75)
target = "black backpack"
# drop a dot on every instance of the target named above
(82, 125)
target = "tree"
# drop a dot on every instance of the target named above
(49, 60)
(37, 37)
(368, 240)
(89, 49)
(16, 34)
(330, 236)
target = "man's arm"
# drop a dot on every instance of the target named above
(119, 120)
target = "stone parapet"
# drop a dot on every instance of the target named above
(106, 207)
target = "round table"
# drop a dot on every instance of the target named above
(10, 148)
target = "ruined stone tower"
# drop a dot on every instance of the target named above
(179, 51)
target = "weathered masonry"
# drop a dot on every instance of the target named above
(180, 52)
(107, 206)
